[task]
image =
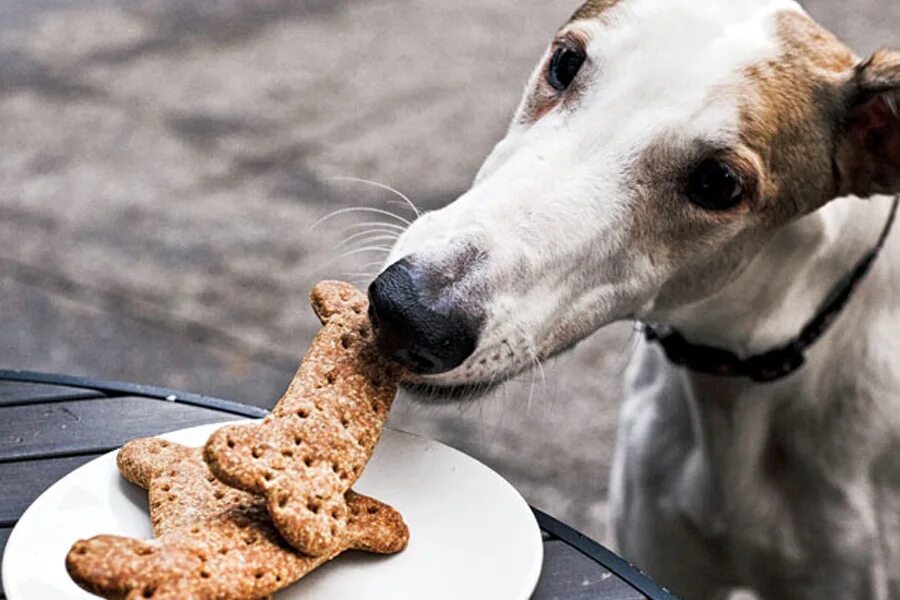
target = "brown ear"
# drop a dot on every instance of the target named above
(868, 150)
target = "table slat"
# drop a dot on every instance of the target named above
(569, 574)
(15, 392)
(25, 481)
(62, 429)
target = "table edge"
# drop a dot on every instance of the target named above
(602, 555)
(122, 388)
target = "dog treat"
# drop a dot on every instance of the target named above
(214, 543)
(180, 489)
(320, 435)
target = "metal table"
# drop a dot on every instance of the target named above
(52, 424)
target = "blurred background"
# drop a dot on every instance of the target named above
(162, 162)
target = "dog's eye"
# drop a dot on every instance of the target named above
(564, 66)
(714, 186)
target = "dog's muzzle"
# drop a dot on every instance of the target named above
(416, 322)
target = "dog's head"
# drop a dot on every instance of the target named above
(660, 144)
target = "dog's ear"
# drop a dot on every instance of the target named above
(867, 156)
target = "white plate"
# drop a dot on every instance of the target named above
(471, 534)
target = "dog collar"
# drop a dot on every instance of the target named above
(779, 362)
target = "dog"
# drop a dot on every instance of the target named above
(723, 172)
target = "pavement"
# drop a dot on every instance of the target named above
(162, 163)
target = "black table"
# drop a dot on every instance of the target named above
(52, 424)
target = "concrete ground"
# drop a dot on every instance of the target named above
(161, 162)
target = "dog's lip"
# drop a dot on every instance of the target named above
(425, 392)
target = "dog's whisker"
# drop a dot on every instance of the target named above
(376, 238)
(354, 280)
(540, 366)
(634, 337)
(367, 209)
(363, 232)
(362, 279)
(384, 249)
(470, 399)
(365, 237)
(374, 263)
(520, 328)
(399, 228)
(536, 366)
(382, 186)
(530, 391)
(536, 369)
(498, 425)
(399, 203)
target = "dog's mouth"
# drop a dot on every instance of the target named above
(437, 393)
(472, 381)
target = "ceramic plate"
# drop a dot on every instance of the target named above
(471, 534)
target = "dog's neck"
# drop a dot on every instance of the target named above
(784, 286)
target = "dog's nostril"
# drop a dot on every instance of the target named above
(410, 331)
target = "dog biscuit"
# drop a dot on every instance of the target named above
(320, 435)
(214, 543)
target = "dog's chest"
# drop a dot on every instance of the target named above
(757, 479)
(734, 484)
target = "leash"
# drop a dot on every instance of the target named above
(784, 360)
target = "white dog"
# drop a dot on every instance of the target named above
(696, 165)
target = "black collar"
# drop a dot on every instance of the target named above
(779, 362)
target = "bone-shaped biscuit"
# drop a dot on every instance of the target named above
(320, 435)
(180, 489)
(215, 543)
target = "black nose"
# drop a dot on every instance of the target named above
(411, 330)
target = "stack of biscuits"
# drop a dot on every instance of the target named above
(262, 504)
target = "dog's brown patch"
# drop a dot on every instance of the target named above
(537, 106)
(789, 106)
(792, 107)
(593, 9)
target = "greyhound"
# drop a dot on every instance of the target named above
(723, 172)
